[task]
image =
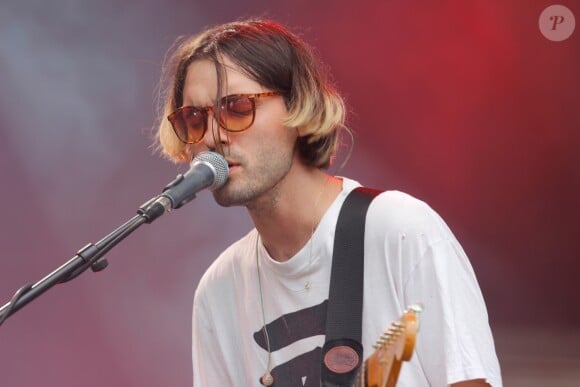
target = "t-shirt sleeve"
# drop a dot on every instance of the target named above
(455, 341)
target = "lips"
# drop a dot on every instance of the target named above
(232, 165)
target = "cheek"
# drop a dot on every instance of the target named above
(272, 130)
(280, 139)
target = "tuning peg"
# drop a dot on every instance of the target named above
(415, 308)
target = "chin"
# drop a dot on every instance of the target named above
(226, 197)
(222, 199)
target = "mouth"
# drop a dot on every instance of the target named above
(232, 165)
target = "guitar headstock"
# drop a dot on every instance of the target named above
(394, 346)
(399, 338)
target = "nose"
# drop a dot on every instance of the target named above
(215, 137)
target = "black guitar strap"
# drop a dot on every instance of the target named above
(342, 352)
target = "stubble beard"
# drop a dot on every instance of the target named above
(254, 184)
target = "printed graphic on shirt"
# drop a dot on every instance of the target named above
(304, 369)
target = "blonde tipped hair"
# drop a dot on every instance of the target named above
(278, 60)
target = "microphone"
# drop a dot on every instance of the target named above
(207, 170)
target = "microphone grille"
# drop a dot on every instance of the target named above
(218, 164)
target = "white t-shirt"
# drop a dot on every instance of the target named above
(410, 256)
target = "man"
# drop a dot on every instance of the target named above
(254, 92)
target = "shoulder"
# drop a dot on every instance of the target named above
(402, 214)
(396, 214)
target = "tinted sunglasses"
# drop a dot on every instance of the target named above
(235, 113)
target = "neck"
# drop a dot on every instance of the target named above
(287, 217)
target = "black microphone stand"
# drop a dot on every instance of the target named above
(89, 256)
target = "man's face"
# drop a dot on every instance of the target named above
(260, 157)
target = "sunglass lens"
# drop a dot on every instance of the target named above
(237, 113)
(192, 124)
